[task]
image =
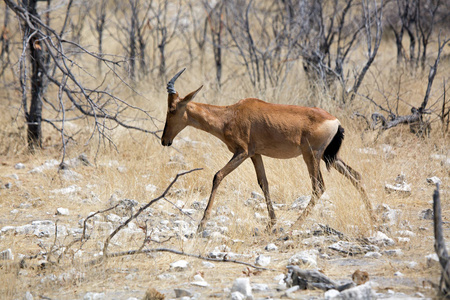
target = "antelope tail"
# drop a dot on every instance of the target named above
(330, 154)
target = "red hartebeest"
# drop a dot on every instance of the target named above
(252, 128)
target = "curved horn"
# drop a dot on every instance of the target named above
(170, 87)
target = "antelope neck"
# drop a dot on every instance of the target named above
(206, 117)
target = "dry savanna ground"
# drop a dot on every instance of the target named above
(137, 167)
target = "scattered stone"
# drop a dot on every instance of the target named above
(70, 175)
(122, 169)
(271, 247)
(350, 248)
(445, 161)
(427, 214)
(182, 293)
(257, 196)
(179, 266)
(398, 274)
(400, 186)
(46, 166)
(208, 265)
(406, 233)
(307, 258)
(260, 287)
(388, 151)
(199, 205)
(68, 190)
(62, 211)
(113, 218)
(262, 260)
(28, 296)
(373, 254)
(14, 211)
(94, 296)
(381, 239)
(434, 180)
(19, 166)
(6, 255)
(151, 188)
(242, 285)
(289, 291)
(301, 202)
(166, 277)
(360, 292)
(332, 294)
(388, 215)
(237, 296)
(367, 150)
(403, 240)
(393, 252)
(432, 260)
(199, 281)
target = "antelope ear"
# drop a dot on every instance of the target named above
(190, 96)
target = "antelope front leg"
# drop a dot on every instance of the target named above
(235, 161)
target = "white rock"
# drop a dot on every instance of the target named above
(260, 287)
(406, 233)
(367, 150)
(180, 265)
(393, 252)
(331, 294)
(62, 211)
(403, 240)
(432, 260)
(262, 260)
(208, 265)
(381, 239)
(307, 258)
(271, 247)
(68, 190)
(46, 166)
(257, 196)
(6, 255)
(14, 211)
(398, 274)
(19, 166)
(237, 296)
(242, 285)
(94, 296)
(373, 254)
(166, 277)
(70, 175)
(301, 202)
(360, 292)
(113, 218)
(28, 296)
(434, 180)
(151, 188)
(199, 281)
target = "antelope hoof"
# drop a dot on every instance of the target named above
(200, 228)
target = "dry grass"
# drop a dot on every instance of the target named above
(147, 162)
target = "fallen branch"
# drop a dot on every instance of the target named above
(162, 196)
(147, 251)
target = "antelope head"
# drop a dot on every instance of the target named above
(177, 118)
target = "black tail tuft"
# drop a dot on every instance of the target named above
(330, 154)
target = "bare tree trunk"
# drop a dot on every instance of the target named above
(4, 39)
(34, 115)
